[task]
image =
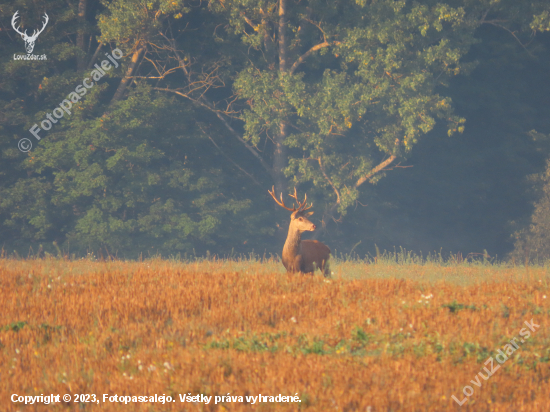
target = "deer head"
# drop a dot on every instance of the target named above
(29, 40)
(299, 217)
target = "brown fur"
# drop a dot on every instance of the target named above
(304, 255)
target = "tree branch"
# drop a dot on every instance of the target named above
(361, 181)
(128, 77)
(329, 181)
(228, 158)
(378, 168)
(496, 24)
(92, 60)
(256, 27)
(202, 101)
(306, 54)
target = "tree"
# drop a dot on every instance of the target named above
(342, 89)
(125, 171)
(336, 91)
(327, 95)
(25, 88)
(533, 242)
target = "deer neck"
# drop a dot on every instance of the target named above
(292, 244)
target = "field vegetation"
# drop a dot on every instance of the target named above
(396, 334)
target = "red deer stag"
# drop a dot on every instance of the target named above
(302, 255)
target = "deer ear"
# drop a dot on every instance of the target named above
(308, 214)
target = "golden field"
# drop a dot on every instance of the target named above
(376, 337)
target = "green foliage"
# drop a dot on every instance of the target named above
(136, 19)
(368, 93)
(15, 326)
(128, 176)
(455, 306)
(28, 87)
(363, 82)
(116, 185)
(541, 22)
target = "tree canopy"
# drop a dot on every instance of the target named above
(173, 150)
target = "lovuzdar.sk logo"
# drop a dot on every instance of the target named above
(29, 40)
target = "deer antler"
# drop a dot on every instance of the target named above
(301, 205)
(13, 23)
(280, 203)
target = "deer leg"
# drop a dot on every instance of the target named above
(298, 264)
(326, 269)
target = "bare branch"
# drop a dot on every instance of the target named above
(377, 169)
(228, 158)
(256, 27)
(128, 77)
(328, 180)
(92, 60)
(362, 180)
(306, 54)
(202, 86)
(398, 166)
(496, 24)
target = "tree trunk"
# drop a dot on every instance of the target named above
(282, 37)
(279, 154)
(125, 82)
(280, 159)
(81, 58)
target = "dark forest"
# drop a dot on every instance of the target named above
(133, 127)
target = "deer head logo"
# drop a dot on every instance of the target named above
(29, 40)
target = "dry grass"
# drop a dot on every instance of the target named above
(370, 337)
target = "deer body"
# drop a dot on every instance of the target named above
(299, 255)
